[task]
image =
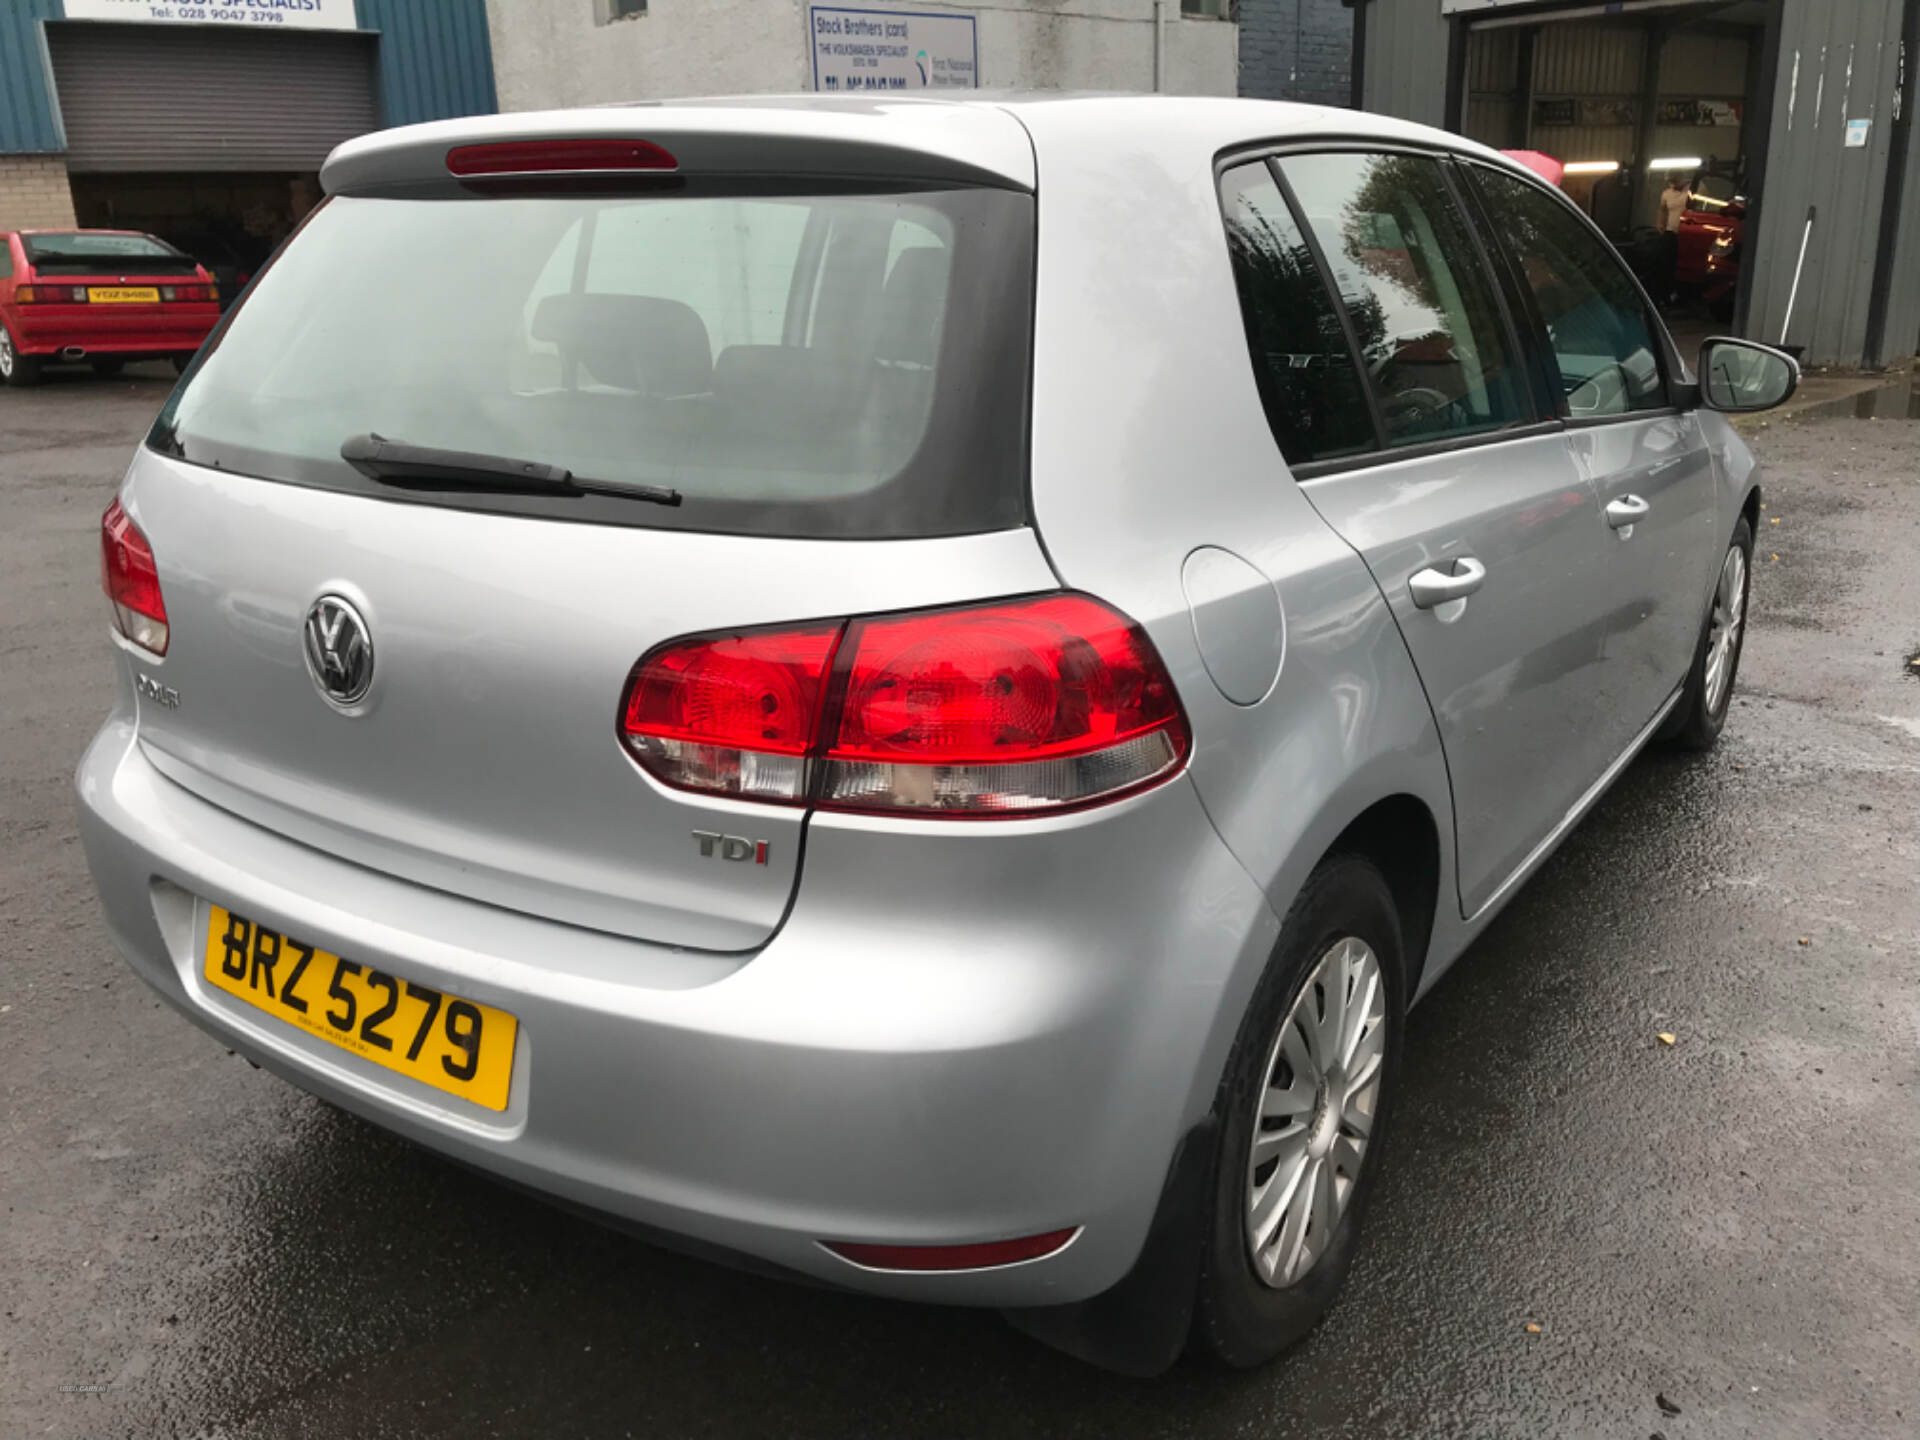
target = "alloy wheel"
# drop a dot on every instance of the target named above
(1723, 632)
(1319, 1095)
(6, 354)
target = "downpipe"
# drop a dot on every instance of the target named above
(1159, 47)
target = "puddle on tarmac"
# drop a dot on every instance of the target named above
(1889, 402)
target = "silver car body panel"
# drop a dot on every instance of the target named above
(485, 760)
(917, 1032)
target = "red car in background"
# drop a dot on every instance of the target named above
(102, 297)
(1711, 231)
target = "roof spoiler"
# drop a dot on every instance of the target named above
(942, 144)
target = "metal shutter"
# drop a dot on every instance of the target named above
(200, 97)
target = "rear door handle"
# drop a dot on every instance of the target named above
(1627, 511)
(1433, 587)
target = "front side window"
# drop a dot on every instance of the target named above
(1432, 336)
(1597, 324)
(1301, 360)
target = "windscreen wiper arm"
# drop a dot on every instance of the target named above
(426, 467)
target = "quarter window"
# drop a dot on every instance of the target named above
(1597, 325)
(1432, 337)
(1301, 361)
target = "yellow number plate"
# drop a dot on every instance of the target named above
(124, 294)
(460, 1046)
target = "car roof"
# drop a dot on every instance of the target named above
(987, 137)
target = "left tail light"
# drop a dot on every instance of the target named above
(132, 581)
(38, 294)
(1019, 707)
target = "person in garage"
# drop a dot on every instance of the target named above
(1671, 205)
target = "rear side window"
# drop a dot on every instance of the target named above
(1432, 335)
(1301, 360)
(835, 364)
(1598, 329)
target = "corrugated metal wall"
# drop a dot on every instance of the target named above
(1406, 61)
(435, 59)
(1703, 65)
(1597, 66)
(1837, 62)
(143, 98)
(27, 119)
(1495, 105)
(1903, 298)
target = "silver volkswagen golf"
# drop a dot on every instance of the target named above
(905, 692)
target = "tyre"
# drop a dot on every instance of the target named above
(107, 365)
(1304, 1107)
(15, 368)
(1702, 712)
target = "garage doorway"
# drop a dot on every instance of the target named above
(211, 138)
(1625, 99)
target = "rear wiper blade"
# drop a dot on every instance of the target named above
(427, 467)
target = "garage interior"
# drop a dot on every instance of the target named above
(211, 139)
(1623, 100)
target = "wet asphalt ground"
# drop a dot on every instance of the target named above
(191, 1247)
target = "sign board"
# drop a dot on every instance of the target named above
(287, 14)
(902, 50)
(1857, 133)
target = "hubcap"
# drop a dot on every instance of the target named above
(1317, 1104)
(6, 352)
(1723, 633)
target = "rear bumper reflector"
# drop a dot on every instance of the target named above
(925, 1258)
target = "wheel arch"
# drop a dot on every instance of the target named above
(1401, 838)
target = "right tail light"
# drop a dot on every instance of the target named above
(1012, 708)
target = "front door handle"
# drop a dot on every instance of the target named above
(1434, 587)
(1627, 511)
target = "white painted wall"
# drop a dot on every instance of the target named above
(550, 53)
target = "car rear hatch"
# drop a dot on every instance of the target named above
(111, 269)
(751, 365)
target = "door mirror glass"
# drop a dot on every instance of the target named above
(1738, 377)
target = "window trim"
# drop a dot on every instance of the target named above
(1342, 464)
(1355, 357)
(1527, 319)
(1672, 367)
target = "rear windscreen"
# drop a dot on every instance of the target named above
(51, 253)
(840, 364)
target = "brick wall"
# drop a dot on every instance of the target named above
(1296, 50)
(34, 192)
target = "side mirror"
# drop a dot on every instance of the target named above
(1738, 377)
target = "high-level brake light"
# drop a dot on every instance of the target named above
(132, 581)
(1016, 707)
(546, 157)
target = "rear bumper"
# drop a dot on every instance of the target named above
(111, 329)
(962, 1032)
